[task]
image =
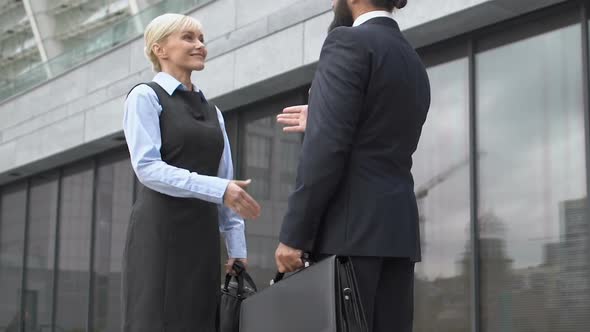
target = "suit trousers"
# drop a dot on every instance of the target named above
(386, 287)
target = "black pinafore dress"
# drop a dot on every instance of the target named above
(171, 263)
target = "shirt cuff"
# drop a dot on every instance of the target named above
(213, 191)
(235, 242)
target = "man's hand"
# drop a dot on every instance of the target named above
(288, 259)
(237, 199)
(294, 119)
(230, 263)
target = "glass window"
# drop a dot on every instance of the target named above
(41, 252)
(441, 176)
(270, 159)
(74, 248)
(532, 208)
(114, 200)
(258, 147)
(12, 239)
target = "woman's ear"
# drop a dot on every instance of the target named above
(159, 51)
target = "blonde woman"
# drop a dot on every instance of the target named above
(180, 153)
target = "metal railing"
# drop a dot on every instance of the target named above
(122, 31)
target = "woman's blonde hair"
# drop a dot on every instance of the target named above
(160, 28)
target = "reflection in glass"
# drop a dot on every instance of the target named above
(258, 149)
(41, 251)
(114, 200)
(532, 208)
(12, 239)
(441, 175)
(86, 18)
(270, 160)
(74, 248)
(290, 146)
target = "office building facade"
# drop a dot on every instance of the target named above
(501, 171)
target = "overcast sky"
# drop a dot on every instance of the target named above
(531, 136)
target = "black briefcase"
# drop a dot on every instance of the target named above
(232, 295)
(321, 298)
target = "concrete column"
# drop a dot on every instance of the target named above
(35, 29)
(45, 25)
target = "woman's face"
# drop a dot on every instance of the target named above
(184, 49)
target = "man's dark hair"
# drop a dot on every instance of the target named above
(389, 4)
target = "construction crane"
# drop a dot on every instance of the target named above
(422, 191)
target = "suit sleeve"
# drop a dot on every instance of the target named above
(336, 100)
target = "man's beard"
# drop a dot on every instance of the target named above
(342, 16)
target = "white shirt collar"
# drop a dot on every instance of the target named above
(371, 15)
(170, 84)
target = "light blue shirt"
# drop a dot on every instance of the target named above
(141, 125)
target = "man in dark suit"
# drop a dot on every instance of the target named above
(354, 193)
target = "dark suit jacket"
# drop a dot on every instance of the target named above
(354, 192)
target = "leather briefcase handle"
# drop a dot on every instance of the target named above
(241, 276)
(305, 257)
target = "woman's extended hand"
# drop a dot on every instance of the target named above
(294, 119)
(237, 199)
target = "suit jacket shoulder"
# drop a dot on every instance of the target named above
(347, 33)
(350, 39)
(344, 56)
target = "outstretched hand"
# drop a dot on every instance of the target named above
(294, 119)
(237, 199)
